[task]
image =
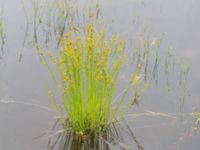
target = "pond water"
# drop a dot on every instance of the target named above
(166, 123)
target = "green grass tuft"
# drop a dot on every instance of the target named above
(85, 74)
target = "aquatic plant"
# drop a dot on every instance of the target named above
(63, 14)
(85, 74)
(196, 115)
(2, 34)
(147, 53)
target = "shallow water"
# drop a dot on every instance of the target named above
(26, 81)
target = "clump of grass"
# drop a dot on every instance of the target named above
(85, 74)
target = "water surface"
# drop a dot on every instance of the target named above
(26, 81)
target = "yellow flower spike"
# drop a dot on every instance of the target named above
(62, 60)
(121, 47)
(65, 76)
(40, 52)
(53, 59)
(67, 35)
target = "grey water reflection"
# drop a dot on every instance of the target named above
(162, 117)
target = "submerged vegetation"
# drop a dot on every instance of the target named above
(52, 18)
(147, 52)
(49, 18)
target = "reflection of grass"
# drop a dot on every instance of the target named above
(85, 75)
(104, 141)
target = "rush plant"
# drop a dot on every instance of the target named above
(85, 73)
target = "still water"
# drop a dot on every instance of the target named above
(169, 100)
